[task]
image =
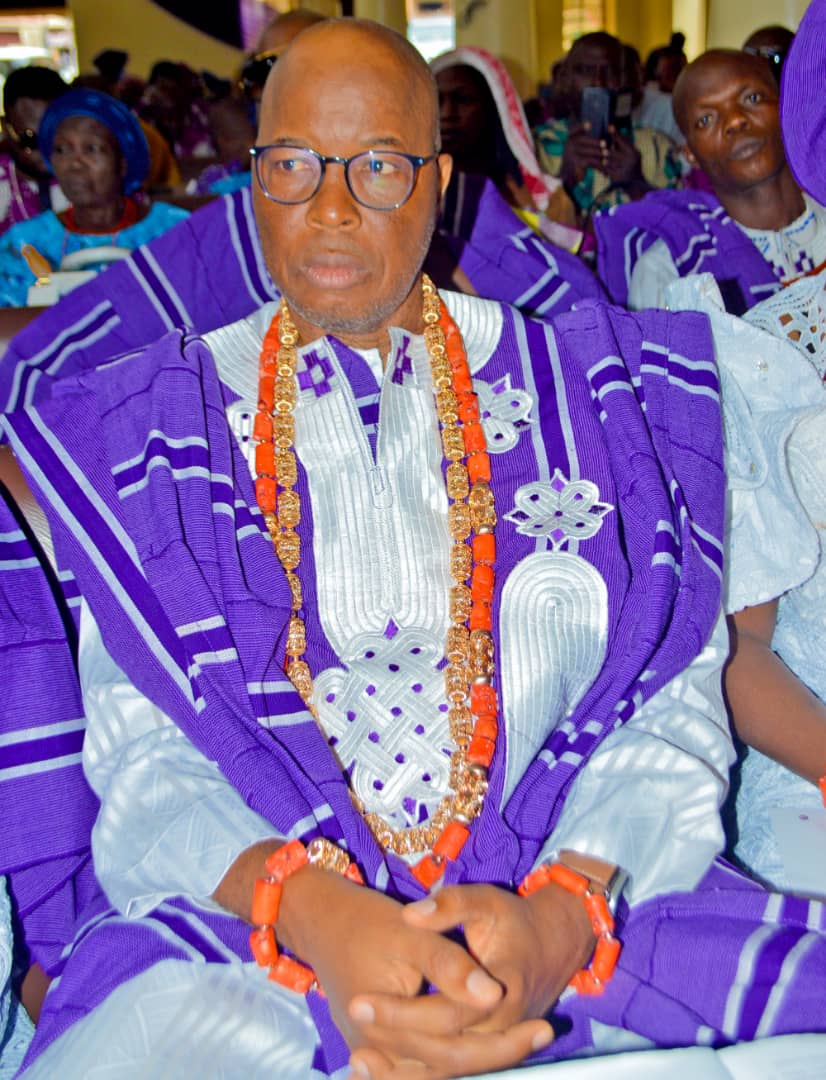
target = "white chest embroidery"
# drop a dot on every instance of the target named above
(381, 546)
(386, 718)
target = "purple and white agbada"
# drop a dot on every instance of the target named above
(700, 238)
(209, 271)
(606, 450)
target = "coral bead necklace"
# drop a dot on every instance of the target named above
(472, 699)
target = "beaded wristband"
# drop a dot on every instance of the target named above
(266, 900)
(593, 979)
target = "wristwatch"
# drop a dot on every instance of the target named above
(606, 879)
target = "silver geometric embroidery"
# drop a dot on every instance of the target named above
(386, 712)
(560, 509)
(504, 412)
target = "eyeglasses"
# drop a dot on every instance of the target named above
(26, 139)
(771, 53)
(255, 71)
(377, 179)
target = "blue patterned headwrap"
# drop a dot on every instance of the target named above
(110, 112)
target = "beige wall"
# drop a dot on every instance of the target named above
(392, 13)
(509, 30)
(731, 21)
(525, 33)
(642, 23)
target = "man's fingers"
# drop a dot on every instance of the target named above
(370, 1064)
(452, 906)
(432, 1057)
(428, 1014)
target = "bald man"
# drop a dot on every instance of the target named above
(757, 232)
(274, 39)
(400, 654)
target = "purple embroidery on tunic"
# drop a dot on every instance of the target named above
(317, 374)
(403, 362)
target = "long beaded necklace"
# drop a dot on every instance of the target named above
(469, 650)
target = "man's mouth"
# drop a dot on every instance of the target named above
(334, 269)
(745, 148)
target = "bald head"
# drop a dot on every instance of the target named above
(334, 47)
(711, 71)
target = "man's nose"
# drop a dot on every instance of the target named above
(333, 203)
(736, 120)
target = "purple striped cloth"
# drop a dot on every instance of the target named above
(505, 259)
(628, 401)
(700, 237)
(46, 807)
(210, 271)
(206, 272)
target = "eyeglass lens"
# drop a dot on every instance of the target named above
(380, 180)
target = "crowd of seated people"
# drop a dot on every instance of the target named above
(659, 572)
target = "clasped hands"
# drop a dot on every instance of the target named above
(617, 158)
(375, 957)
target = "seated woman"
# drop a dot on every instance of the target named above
(484, 128)
(98, 153)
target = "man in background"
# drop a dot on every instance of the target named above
(756, 232)
(600, 170)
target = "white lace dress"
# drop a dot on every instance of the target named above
(772, 366)
(16, 1029)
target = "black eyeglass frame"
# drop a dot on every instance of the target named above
(261, 64)
(416, 160)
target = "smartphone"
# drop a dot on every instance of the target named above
(604, 109)
(622, 105)
(596, 108)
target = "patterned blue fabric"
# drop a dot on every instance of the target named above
(54, 241)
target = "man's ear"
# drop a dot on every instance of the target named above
(688, 153)
(445, 166)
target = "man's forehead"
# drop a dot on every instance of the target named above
(726, 75)
(334, 68)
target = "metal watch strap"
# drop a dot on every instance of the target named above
(606, 878)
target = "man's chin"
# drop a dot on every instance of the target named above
(354, 312)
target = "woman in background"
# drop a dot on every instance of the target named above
(98, 153)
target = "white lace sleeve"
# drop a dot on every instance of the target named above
(649, 798)
(653, 273)
(770, 392)
(169, 823)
